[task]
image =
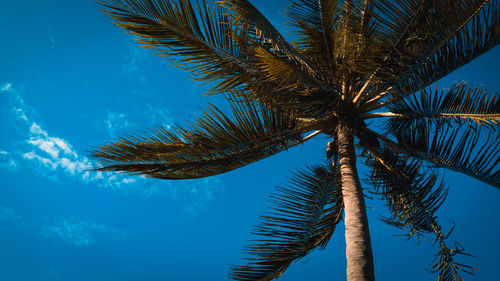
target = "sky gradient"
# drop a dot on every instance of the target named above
(70, 80)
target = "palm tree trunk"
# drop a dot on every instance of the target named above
(358, 246)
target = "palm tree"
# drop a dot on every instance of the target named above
(360, 72)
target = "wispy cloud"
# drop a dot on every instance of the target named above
(159, 116)
(51, 38)
(74, 230)
(47, 152)
(54, 157)
(80, 231)
(204, 190)
(133, 59)
(116, 122)
(8, 215)
(6, 162)
(6, 87)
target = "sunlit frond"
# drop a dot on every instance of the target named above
(425, 40)
(480, 34)
(304, 218)
(459, 103)
(194, 35)
(317, 25)
(259, 29)
(413, 196)
(469, 150)
(213, 144)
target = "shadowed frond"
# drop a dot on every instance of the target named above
(480, 34)
(304, 218)
(288, 88)
(413, 197)
(459, 103)
(426, 40)
(259, 30)
(193, 35)
(472, 151)
(214, 144)
(317, 24)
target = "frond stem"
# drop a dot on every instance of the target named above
(382, 114)
(312, 135)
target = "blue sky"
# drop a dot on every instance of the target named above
(70, 80)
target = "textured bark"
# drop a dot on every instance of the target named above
(358, 246)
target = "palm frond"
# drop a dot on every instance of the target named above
(434, 37)
(472, 151)
(471, 29)
(193, 35)
(214, 144)
(290, 89)
(304, 218)
(413, 197)
(316, 24)
(259, 29)
(460, 103)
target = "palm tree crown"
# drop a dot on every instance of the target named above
(353, 61)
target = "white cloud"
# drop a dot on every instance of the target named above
(204, 191)
(6, 87)
(9, 163)
(50, 145)
(20, 113)
(12, 165)
(81, 232)
(115, 122)
(52, 156)
(159, 116)
(8, 215)
(136, 56)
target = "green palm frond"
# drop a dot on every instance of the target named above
(304, 218)
(413, 197)
(197, 37)
(460, 103)
(214, 144)
(469, 150)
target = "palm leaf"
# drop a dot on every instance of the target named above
(212, 145)
(197, 37)
(260, 30)
(413, 197)
(316, 24)
(290, 89)
(434, 37)
(304, 218)
(459, 103)
(480, 33)
(469, 150)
